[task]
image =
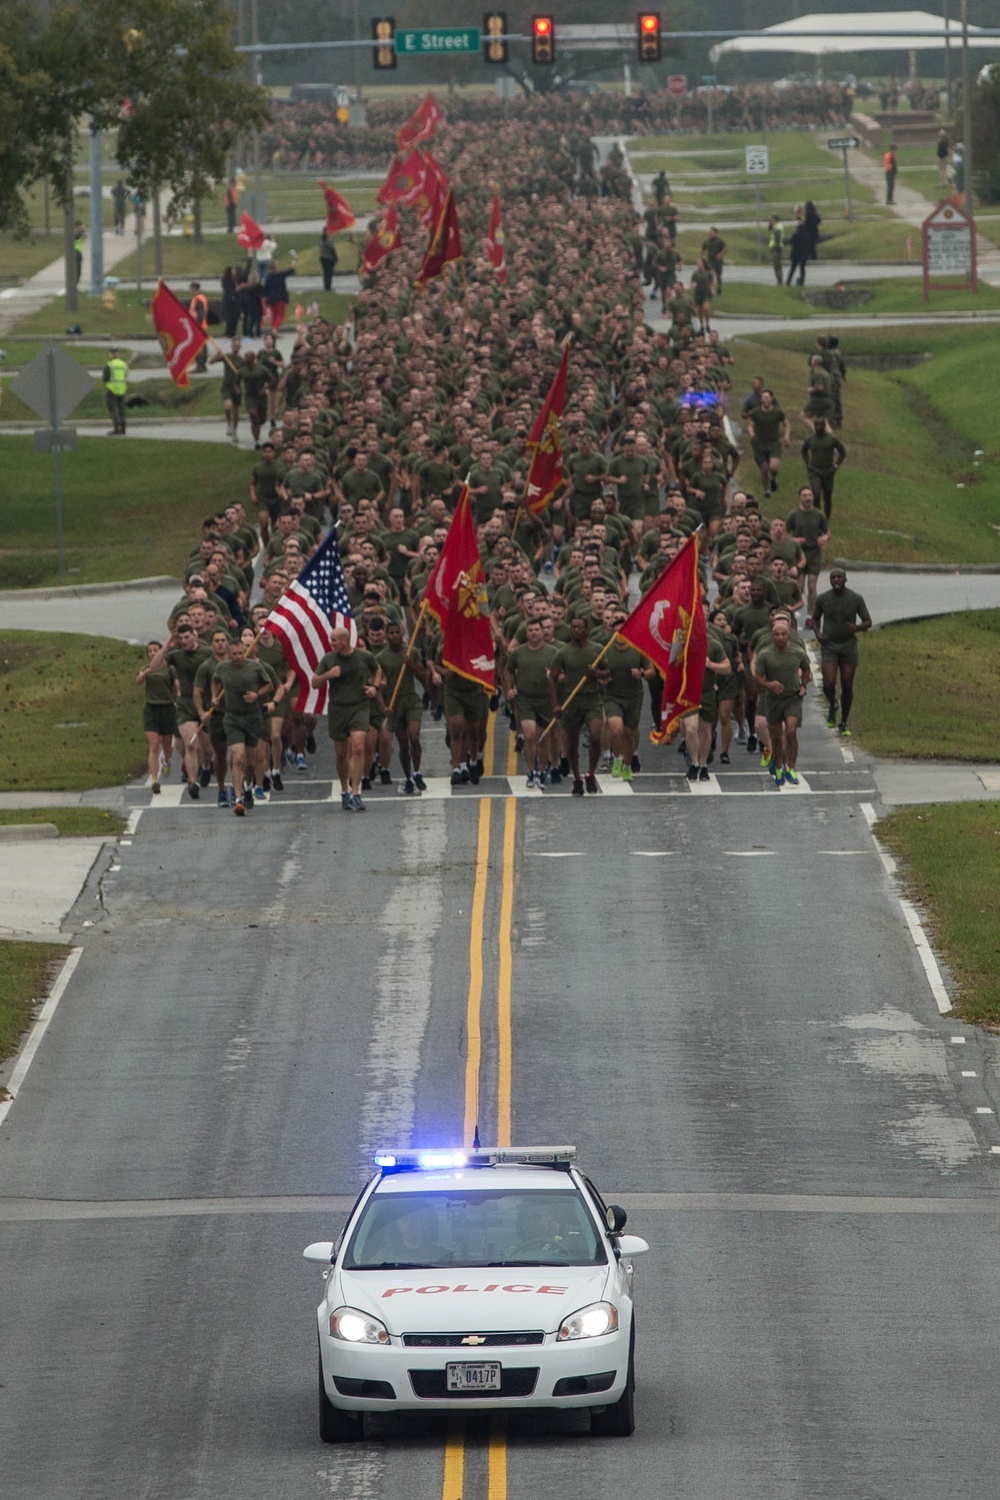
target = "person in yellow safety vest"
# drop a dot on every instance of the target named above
(115, 375)
(891, 167)
(198, 308)
(775, 245)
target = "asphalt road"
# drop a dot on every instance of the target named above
(712, 994)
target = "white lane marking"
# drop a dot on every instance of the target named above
(995, 1150)
(565, 854)
(408, 927)
(868, 813)
(39, 1029)
(847, 754)
(958, 1041)
(709, 788)
(801, 786)
(983, 1109)
(125, 843)
(888, 863)
(436, 787)
(747, 853)
(967, 1074)
(520, 788)
(926, 956)
(844, 853)
(113, 869)
(445, 794)
(168, 796)
(654, 853)
(613, 786)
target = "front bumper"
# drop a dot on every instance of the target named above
(584, 1373)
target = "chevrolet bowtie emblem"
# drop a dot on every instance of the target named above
(474, 1338)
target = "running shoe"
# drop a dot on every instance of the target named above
(578, 788)
(419, 782)
(463, 774)
(204, 776)
(239, 809)
(194, 791)
(357, 804)
(564, 767)
(741, 735)
(474, 772)
(258, 793)
(765, 760)
(704, 774)
(791, 776)
(456, 777)
(347, 801)
(751, 743)
(232, 796)
(385, 777)
(156, 788)
(844, 731)
(265, 785)
(248, 797)
(290, 756)
(405, 788)
(604, 764)
(223, 800)
(692, 772)
(437, 712)
(627, 773)
(724, 758)
(636, 765)
(590, 782)
(311, 744)
(831, 719)
(555, 776)
(164, 766)
(481, 766)
(776, 772)
(300, 763)
(366, 783)
(617, 767)
(519, 742)
(277, 785)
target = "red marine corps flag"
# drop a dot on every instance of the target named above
(456, 596)
(250, 235)
(383, 241)
(338, 211)
(445, 245)
(180, 336)
(429, 201)
(545, 443)
(421, 125)
(404, 181)
(495, 244)
(668, 626)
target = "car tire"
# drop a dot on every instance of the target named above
(618, 1420)
(337, 1426)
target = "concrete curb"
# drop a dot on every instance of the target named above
(954, 569)
(77, 590)
(23, 833)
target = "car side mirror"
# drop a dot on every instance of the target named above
(321, 1251)
(631, 1244)
(616, 1218)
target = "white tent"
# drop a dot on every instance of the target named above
(870, 31)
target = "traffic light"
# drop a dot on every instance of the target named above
(543, 39)
(384, 36)
(494, 31)
(649, 36)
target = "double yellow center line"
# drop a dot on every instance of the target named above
(454, 1452)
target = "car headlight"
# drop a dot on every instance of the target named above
(355, 1327)
(589, 1323)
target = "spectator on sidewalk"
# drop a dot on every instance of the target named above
(891, 171)
(942, 151)
(327, 259)
(776, 245)
(119, 198)
(811, 220)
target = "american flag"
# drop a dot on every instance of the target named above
(305, 617)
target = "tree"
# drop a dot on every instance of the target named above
(985, 135)
(36, 112)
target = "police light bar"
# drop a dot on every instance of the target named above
(429, 1160)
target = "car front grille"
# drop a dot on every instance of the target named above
(476, 1340)
(431, 1385)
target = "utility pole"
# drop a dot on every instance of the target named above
(96, 214)
(967, 110)
(69, 235)
(947, 60)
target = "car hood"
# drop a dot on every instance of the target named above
(474, 1300)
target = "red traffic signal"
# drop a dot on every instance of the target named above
(543, 39)
(648, 33)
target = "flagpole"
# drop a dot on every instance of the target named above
(409, 647)
(585, 678)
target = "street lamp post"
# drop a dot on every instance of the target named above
(967, 109)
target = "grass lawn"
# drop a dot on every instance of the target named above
(88, 682)
(913, 489)
(893, 294)
(298, 195)
(860, 239)
(26, 971)
(130, 510)
(22, 258)
(205, 262)
(72, 822)
(131, 318)
(929, 689)
(950, 861)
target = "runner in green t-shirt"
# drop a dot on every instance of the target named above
(573, 667)
(625, 670)
(838, 616)
(159, 716)
(241, 687)
(808, 526)
(404, 666)
(351, 674)
(782, 671)
(527, 687)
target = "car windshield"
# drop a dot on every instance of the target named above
(510, 1227)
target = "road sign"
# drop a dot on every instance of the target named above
(61, 441)
(843, 143)
(949, 249)
(677, 84)
(343, 113)
(410, 42)
(758, 160)
(60, 385)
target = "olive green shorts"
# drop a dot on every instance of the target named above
(343, 722)
(840, 651)
(159, 718)
(241, 731)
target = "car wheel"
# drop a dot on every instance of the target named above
(337, 1426)
(618, 1420)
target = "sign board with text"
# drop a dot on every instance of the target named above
(948, 238)
(758, 162)
(422, 40)
(843, 143)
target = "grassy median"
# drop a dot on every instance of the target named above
(950, 861)
(26, 973)
(70, 713)
(929, 689)
(130, 509)
(72, 822)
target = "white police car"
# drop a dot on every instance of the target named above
(492, 1278)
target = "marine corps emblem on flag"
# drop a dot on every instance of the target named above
(472, 597)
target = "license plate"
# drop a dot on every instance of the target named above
(474, 1377)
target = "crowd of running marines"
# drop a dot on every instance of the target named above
(377, 424)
